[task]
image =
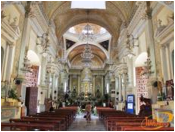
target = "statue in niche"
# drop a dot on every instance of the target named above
(98, 94)
(74, 93)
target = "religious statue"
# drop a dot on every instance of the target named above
(74, 93)
(86, 78)
(97, 94)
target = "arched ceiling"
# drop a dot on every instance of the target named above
(116, 13)
(75, 54)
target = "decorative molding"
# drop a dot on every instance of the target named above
(10, 32)
(165, 31)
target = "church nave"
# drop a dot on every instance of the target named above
(109, 60)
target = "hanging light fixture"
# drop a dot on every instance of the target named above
(87, 55)
(87, 32)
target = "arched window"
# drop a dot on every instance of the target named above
(2, 56)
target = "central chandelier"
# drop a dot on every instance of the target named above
(87, 32)
(87, 55)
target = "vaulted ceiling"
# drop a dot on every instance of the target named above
(116, 13)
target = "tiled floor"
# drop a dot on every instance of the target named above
(80, 124)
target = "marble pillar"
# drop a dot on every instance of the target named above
(53, 86)
(10, 62)
(79, 84)
(116, 91)
(43, 72)
(150, 40)
(120, 88)
(25, 35)
(124, 86)
(93, 78)
(164, 70)
(168, 62)
(5, 62)
(49, 84)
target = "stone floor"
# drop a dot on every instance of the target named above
(80, 124)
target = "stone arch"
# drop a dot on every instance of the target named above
(81, 43)
(117, 11)
(33, 57)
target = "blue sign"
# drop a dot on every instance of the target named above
(130, 104)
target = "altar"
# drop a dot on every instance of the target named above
(86, 81)
(10, 109)
(163, 111)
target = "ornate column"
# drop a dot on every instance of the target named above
(120, 87)
(10, 62)
(25, 35)
(150, 36)
(107, 82)
(53, 85)
(124, 83)
(94, 86)
(169, 69)
(5, 63)
(43, 72)
(116, 89)
(48, 82)
(79, 84)
(65, 82)
(102, 84)
(163, 59)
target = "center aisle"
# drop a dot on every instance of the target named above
(80, 124)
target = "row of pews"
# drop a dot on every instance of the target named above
(58, 120)
(122, 121)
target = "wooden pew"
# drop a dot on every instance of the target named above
(112, 124)
(56, 123)
(27, 127)
(60, 119)
(139, 128)
(64, 124)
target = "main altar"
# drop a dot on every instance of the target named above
(86, 82)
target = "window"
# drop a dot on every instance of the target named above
(88, 4)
